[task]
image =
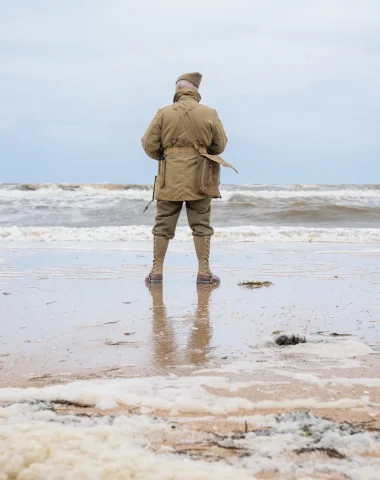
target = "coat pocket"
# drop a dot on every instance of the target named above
(208, 177)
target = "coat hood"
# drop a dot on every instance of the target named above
(185, 94)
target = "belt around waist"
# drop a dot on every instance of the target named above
(169, 151)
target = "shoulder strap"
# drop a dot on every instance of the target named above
(189, 127)
(175, 138)
(185, 118)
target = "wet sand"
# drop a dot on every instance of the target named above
(77, 311)
(85, 314)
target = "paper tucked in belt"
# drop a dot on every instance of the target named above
(217, 159)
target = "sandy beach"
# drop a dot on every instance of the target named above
(247, 151)
(87, 340)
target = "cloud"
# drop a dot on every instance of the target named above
(295, 83)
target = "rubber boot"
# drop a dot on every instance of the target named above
(202, 248)
(160, 246)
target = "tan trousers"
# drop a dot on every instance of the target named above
(198, 216)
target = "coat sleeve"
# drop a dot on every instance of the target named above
(151, 141)
(219, 137)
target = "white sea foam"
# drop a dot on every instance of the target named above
(346, 349)
(324, 195)
(97, 191)
(174, 394)
(322, 347)
(178, 395)
(53, 193)
(223, 234)
(41, 445)
(37, 443)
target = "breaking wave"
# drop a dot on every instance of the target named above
(235, 193)
(108, 205)
(224, 234)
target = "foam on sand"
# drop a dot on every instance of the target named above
(344, 349)
(175, 395)
(176, 420)
(36, 442)
(323, 347)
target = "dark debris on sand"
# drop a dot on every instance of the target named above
(330, 452)
(255, 285)
(284, 340)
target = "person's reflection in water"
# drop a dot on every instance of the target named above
(165, 351)
(201, 332)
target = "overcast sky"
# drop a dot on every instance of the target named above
(296, 84)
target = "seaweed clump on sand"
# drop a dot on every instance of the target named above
(284, 340)
(254, 285)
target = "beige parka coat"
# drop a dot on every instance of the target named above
(168, 138)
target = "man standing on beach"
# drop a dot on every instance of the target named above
(186, 139)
